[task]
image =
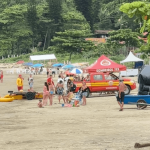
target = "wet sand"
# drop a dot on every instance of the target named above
(97, 126)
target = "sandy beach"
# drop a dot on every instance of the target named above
(97, 126)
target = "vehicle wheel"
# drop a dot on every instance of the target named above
(140, 106)
(88, 93)
(127, 91)
(30, 95)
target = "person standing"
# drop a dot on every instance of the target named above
(60, 88)
(84, 92)
(47, 72)
(59, 79)
(1, 76)
(65, 83)
(51, 93)
(50, 80)
(69, 85)
(30, 80)
(53, 72)
(45, 93)
(121, 94)
(19, 82)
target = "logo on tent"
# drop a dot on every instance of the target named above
(105, 62)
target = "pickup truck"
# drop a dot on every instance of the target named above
(105, 82)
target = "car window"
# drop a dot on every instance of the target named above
(98, 77)
(109, 77)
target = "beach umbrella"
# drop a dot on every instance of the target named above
(76, 71)
(37, 65)
(20, 62)
(58, 65)
(68, 67)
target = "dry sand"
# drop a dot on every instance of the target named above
(97, 126)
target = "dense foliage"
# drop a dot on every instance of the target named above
(61, 26)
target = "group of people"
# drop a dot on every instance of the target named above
(64, 89)
(19, 82)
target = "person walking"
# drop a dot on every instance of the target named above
(84, 92)
(121, 94)
(45, 93)
(19, 82)
(30, 81)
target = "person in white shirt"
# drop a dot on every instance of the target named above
(59, 79)
(65, 83)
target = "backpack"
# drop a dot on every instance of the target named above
(74, 87)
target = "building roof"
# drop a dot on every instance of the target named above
(96, 40)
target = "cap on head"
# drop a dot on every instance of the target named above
(20, 75)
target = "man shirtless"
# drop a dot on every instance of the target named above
(121, 94)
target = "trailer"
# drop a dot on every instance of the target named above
(141, 101)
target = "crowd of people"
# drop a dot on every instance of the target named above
(64, 88)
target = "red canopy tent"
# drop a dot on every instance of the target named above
(104, 64)
(20, 62)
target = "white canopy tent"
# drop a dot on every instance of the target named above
(43, 57)
(131, 58)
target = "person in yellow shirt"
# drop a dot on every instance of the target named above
(19, 82)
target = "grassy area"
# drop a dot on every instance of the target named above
(76, 58)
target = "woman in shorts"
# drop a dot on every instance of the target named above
(51, 93)
(84, 92)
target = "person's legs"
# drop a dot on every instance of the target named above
(44, 99)
(59, 97)
(51, 99)
(64, 99)
(122, 99)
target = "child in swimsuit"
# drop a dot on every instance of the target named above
(40, 104)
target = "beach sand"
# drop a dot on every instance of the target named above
(97, 126)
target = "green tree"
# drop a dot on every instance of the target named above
(125, 37)
(72, 39)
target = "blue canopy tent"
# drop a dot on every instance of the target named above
(28, 64)
(37, 66)
(58, 65)
(68, 67)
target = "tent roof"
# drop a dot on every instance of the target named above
(43, 57)
(104, 64)
(131, 58)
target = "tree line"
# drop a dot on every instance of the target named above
(60, 26)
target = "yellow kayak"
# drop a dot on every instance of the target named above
(6, 99)
(16, 97)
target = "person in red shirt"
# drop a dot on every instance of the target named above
(50, 80)
(120, 96)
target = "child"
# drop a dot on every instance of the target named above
(69, 97)
(40, 104)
